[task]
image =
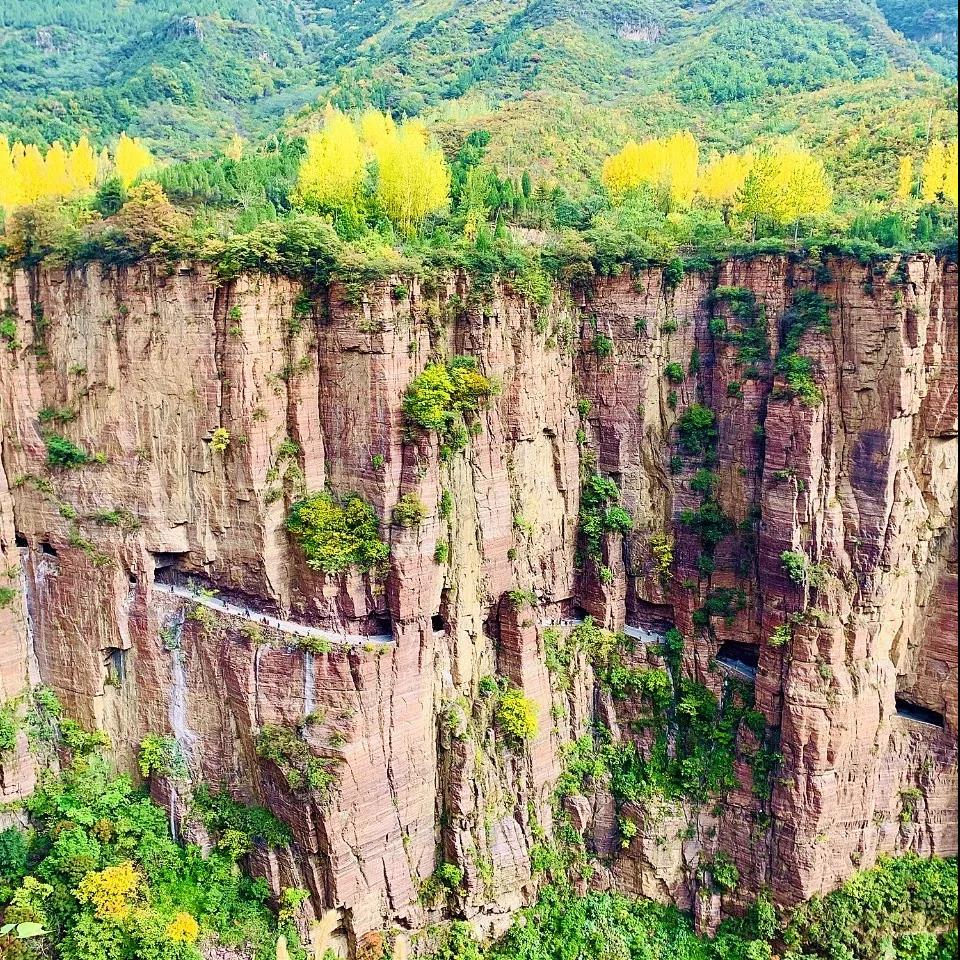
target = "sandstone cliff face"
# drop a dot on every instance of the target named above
(149, 362)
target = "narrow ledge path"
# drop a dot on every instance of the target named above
(267, 620)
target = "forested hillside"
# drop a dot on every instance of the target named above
(856, 78)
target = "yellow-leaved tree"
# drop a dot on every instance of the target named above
(376, 129)
(682, 162)
(82, 166)
(934, 171)
(56, 178)
(27, 175)
(785, 184)
(905, 178)
(723, 176)
(806, 187)
(670, 164)
(950, 174)
(331, 173)
(413, 179)
(131, 158)
(234, 149)
(31, 173)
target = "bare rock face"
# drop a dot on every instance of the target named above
(205, 410)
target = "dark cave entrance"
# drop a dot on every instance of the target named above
(918, 713)
(740, 658)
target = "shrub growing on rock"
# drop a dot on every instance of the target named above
(409, 511)
(516, 717)
(336, 534)
(62, 452)
(442, 395)
(697, 429)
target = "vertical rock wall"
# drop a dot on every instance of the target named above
(141, 367)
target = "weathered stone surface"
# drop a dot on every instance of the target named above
(153, 361)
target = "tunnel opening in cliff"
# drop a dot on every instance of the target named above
(652, 617)
(167, 560)
(917, 713)
(740, 658)
(115, 662)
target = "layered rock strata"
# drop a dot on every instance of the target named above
(207, 408)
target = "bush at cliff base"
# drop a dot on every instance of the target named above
(903, 909)
(101, 875)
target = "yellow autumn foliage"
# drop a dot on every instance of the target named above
(112, 892)
(723, 176)
(905, 178)
(411, 176)
(28, 175)
(413, 180)
(670, 163)
(183, 929)
(933, 170)
(332, 170)
(784, 183)
(950, 174)
(131, 158)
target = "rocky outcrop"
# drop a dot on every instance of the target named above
(206, 409)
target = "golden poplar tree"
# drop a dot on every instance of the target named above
(950, 174)
(905, 178)
(234, 149)
(56, 177)
(131, 159)
(413, 179)
(621, 171)
(932, 173)
(669, 164)
(376, 129)
(723, 176)
(82, 166)
(331, 172)
(31, 173)
(682, 160)
(785, 184)
(806, 190)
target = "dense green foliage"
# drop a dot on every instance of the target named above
(903, 909)
(301, 768)
(443, 396)
(809, 311)
(62, 452)
(337, 533)
(100, 872)
(601, 513)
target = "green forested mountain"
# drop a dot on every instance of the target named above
(564, 79)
